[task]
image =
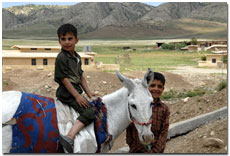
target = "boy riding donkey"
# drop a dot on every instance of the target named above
(69, 76)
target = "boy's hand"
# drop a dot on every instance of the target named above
(82, 101)
(153, 141)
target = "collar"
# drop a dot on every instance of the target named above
(68, 54)
(159, 102)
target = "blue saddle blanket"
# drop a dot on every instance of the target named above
(36, 130)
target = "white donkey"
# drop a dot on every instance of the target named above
(132, 103)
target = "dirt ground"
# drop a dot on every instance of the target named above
(41, 82)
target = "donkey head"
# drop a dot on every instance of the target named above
(139, 104)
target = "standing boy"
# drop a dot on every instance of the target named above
(160, 122)
(69, 76)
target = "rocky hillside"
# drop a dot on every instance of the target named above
(94, 17)
(9, 19)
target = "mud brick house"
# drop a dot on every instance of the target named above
(43, 58)
(214, 60)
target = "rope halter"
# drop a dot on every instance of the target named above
(132, 119)
(140, 123)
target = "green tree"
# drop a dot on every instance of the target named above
(225, 59)
(194, 41)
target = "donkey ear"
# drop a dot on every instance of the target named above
(148, 77)
(127, 83)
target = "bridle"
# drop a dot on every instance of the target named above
(135, 121)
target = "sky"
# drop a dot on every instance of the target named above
(9, 4)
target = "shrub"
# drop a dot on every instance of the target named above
(164, 46)
(168, 95)
(174, 94)
(203, 58)
(5, 83)
(180, 45)
(225, 59)
(168, 46)
(223, 84)
(195, 92)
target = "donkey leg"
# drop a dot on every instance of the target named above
(6, 138)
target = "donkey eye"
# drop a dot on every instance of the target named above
(133, 106)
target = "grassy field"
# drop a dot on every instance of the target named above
(157, 60)
(141, 55)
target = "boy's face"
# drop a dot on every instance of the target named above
(68, 41)
(156, 88)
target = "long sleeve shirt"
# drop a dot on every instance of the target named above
(159, 128)
(67, 66)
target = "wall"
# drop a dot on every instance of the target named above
(26, 63)
(13, 62)
(90, 61)
(17, 63)
(192, 49)
(217, 57)
(208, 61)
(218, 49)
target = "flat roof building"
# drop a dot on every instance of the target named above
(213, 60)
(37, 48)
(43, 58)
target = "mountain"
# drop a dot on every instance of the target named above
(9, 19)
(212, 12)
(118, 20)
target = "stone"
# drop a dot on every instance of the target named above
(186, 99)
(49, 75)
(214, 142)
(212, 133)
(104, 82)
(46, 86)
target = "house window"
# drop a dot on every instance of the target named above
(33, 62)
(45, 62)
(86, 61)
(213, 60)
(33, 48)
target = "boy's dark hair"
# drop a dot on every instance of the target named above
(66, 28)
(159, 77)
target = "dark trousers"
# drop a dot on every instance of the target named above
(87, 115)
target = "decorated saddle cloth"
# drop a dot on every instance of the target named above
(100, 122)
(36, 130)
